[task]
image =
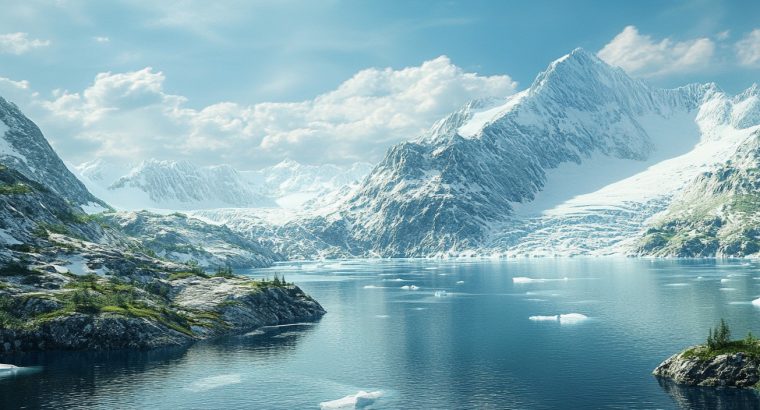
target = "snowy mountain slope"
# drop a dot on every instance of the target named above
(24, 149)
(294, 184)
(182, 185)
(575, 164)
(717, 214)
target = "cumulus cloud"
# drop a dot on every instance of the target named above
(748, 49)
(131, 115)
(20, 43)
(642, 56)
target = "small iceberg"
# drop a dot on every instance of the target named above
(460, 282)
(440, 293)
(8, 367)
(756, 302)
(360, 400)
(410, 287)
(563, 319)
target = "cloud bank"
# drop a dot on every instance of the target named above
(132, 116)
(642, 56)
(20, 43)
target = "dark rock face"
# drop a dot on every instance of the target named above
(725, 370)
(81, 331)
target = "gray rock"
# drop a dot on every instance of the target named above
(725, 370)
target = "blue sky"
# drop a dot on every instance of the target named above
(245, 53)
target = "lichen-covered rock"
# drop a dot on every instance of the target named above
(723, 370)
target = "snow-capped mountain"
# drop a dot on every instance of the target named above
(174, 185)
(576, 164)
(25, 149)
(294, 184)
(181, 185)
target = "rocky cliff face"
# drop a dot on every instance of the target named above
(724, 370)
(25, 149)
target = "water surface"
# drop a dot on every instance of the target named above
(462, 339)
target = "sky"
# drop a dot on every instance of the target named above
(250, 83)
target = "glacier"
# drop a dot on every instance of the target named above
(576, 164)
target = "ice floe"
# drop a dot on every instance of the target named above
(440, 293)
(563, 319)
(410, 287)
(360, 400)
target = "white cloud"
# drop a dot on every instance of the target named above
(748, 49)
(20, 43)
(642, 56)
(130, 115)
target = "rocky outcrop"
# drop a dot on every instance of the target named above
(181, 239)
(723, 370)
(169, 313)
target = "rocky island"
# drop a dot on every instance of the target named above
(720, 362)
(75, 276)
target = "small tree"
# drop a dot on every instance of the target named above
(750, 339)
(720, 337)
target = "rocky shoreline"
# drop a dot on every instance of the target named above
(692, 367)
(183, 310)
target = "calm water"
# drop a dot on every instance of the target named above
(474, 347)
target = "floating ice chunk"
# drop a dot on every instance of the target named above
(677, 285)
(725, 280)
(544, 318)
(460, 282)
(523, 279)
(572, 318)
(371, 287)
(395, 280)
(440, 293)
(727, 289)
(7, 367)
(214, 382)
(360, 400)
(410, 287)
(563, 319)
(756, 302)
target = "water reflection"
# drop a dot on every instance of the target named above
(107, 378)
(689, 397)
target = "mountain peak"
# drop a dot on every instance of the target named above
(577, 67)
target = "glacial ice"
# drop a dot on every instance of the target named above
(410, 287)
(360, 400)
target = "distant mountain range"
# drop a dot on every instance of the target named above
(182, 185)
(586, 161)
